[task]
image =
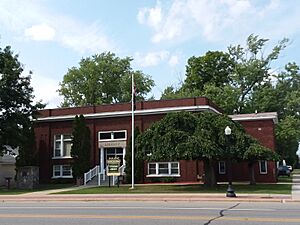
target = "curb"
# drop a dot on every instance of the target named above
(148, 197)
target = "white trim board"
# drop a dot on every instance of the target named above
(128, 113)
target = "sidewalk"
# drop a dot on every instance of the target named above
(48, 195)
(296, 187)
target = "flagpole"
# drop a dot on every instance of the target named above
(132, 131)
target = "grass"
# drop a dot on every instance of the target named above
(14, 191)
(195, 188)
(296, 171)
(285, 179)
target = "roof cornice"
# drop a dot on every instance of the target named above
(255, 116)
(127, 113)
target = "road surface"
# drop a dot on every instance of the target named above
(146, 213)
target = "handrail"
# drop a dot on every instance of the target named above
(91, 174)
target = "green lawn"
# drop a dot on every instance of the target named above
(196, 188)
(296, 171)
(14, 191)
(285, 179)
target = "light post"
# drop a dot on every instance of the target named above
(230, 190)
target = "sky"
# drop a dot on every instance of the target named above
(51, 36)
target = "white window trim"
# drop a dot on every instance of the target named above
(163, 175)
(62, 157)
(266, 165)
(112, 135)
(61, 147)
(61, 172)
(222, 172)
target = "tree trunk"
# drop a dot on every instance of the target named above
(209, 173)
(251, 173)
(79, 181)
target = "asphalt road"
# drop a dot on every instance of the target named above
(146, 213)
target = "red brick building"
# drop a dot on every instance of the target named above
(110, 127)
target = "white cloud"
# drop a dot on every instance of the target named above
(40, 32)
(87, 39)
(45, 89)
(32, 21)
(152, 17)
(173, 60)
(155, 58)
(215, 20)
(151, 58)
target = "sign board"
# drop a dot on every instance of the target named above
(113, 165)
(112, 144)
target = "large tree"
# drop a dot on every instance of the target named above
(191, 136)
(249, 85)
(212, 68)
(103, 79)
(16, 101)
(81, 147)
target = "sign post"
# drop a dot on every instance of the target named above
(113, 165)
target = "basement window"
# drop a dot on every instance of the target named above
(62, 171)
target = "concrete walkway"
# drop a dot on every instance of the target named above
(49, 196)
(296, 187)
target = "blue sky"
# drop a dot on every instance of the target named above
(53, 35)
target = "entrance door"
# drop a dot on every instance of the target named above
(113, 153)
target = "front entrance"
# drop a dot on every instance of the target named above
(112, 144)
(113, 153)
(107, 153)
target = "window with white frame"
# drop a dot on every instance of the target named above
(62, 171)
(263, 167)
(222, 167)
(163, 169)
(62, 145)
(112, 135)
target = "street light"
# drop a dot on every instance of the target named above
(230, 190)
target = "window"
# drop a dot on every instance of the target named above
(163, 169)
(62, 171)
(119, 135)
(175, 168)
(62, 145)
(152, 168)
(263, 167)
(112, 135)
(222, 167)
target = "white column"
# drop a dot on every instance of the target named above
(102, 166)
(124, 153)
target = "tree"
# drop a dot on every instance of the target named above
(138, 161)
(81, 147)
(188, 136)
(212, 68)
(28, 155)
(252, 67)
(257, 152)
(103, 79)
(250, 86)
(16, 101)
